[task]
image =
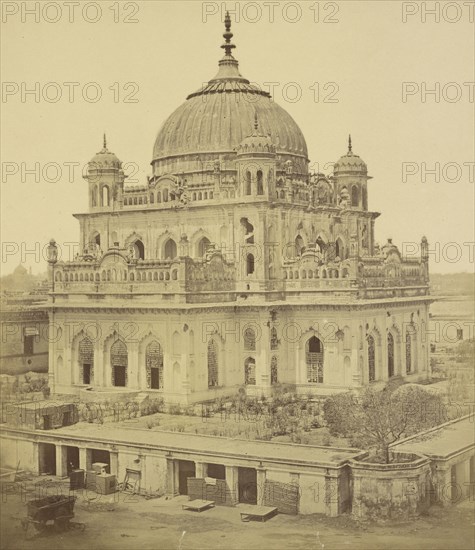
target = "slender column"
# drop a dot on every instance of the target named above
(61, 461)
(84, 464)
(233, 485)
(172, 474)
(114, 462)
(261, 479)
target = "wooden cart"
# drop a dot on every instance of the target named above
(57, 509)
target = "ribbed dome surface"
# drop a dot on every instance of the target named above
(218, 117)
(219, 122)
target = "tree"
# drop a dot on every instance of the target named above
(377, 418)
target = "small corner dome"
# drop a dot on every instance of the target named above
(105, 159)
(350, 163)
(256, 142)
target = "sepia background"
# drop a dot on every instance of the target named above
(172, 48)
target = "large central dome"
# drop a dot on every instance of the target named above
(216, 118)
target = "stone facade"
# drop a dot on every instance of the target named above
(234, 265)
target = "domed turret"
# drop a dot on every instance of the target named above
(104, 159)
(215, 120)
(106, 179)
(351, 176)
(350, 163)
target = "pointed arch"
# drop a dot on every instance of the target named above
(202, 246)
(154, 365)
(314, 360)
(260, 182)
(119, 359)
(86, 360)
(355, 196)
(169, 249)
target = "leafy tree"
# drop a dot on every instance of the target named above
(377, 418)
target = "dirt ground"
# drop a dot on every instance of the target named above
(131, 523)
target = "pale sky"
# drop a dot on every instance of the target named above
(360, 61)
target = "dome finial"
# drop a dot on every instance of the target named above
(350, 147)
(105, 141)
(256, 122)
(228, 47)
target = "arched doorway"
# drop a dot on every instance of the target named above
(314, 360)
(86, 361)
(154, 365)
(119, 363)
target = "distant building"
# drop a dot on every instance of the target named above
(24, 327)
(234, 265)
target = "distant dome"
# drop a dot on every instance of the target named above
(104, 159)
(350, 163)
(218, 117)
(20, 271)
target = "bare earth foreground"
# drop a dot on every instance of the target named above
(133, 522)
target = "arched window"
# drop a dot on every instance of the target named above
(355, 196)
(159, 197)
(320, 245)
(371, 359)
(249, 264)
(250, 371)
(165, 195)
(248, 183)
(260, 183)
(340, 249)
(314, 360)
(408, 352)
(86, 361)
(273, 370)
(390, 355)
(202, 247)
(154, 365)
(94, 196)
(105, 196)
(152, 198)
(299, 246)
(249, 339)
(274, 342)
(139, 250)
(248, 230)
(119, 363)
(170, 251)
(212, 364)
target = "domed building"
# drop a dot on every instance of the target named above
(234, 266)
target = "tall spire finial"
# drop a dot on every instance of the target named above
(228, 47)
(350, 147)
(105, 141)
(256, 122)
